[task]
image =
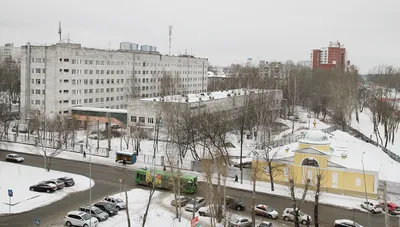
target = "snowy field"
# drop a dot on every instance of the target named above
(19, 177)
(366, 127)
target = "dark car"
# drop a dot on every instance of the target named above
(58, 183)
(234, 203)
(109, 208)
(68, 181)
(41, 187)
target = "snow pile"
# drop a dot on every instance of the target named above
(19, 177)
(158, 215)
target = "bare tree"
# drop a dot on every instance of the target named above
(51, 135)
(320, 176)
(124, 177)
(10, 80)
(297, 204)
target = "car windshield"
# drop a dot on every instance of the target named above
(118, 200)
(397, 209)
(108, 206)
(269, 209)
(301, 213)
(97, 211)
(86, 216)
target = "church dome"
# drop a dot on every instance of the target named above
(315, 136)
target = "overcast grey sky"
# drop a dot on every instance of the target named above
(225, 31)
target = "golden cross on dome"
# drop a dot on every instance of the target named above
(315, 123)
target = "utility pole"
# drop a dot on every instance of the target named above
(365, 189)
(98, 136)
(385, 204)
(170, 39)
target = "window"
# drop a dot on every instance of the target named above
(112, 71)
(66, 91)
(358, 182)
(85, 101)
(107, 99)
(97, 62)
(73, 61)
(73, 102)
(112, 99)
(37, 70)
(37, 102)
(43, 81)
(66, 59)
(97, 81)
(73, 71)
(85, 81)
(142, 119)
(66, 81)
(310, 162)
(133, 118)
(90, 91)
(150, 120)
(66, 70)
(101, 99)
(86, 91)
(73, 81)
(37, 81)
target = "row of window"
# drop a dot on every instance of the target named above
(93, 100)
(38, 81)
(37, 92)
(150, 120)
(138, 63)
(98, 81)
(121, 72)
(38, 70)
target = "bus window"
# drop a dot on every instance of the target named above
(138, 175)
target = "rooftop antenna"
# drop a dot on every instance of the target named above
(109, 45)
(170, 39)
(59, 30)
(68, 39)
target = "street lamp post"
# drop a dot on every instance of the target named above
(365, 188)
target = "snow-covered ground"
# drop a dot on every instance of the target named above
(366, 126)
(19, 177)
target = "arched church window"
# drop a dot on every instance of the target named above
(310, 162)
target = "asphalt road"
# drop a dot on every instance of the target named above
(106, 182)
(327, 214)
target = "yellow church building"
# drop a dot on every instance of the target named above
(313, 156)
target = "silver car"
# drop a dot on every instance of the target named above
(95, 212)
(197, 203)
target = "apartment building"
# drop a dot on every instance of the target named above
(329, 57)
(57, 77)
(271, 69)
(8, 50)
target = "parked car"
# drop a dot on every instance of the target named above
(79, 218)
(206, 210)
(234, 203)
(68, 181)
(240, 222)
(265, 224)
(372, 207)
(393, 209)
(42, 187)
(289, 214)
(119, 203)
(115, 126)
(182, 200)
(107, 207)
(266, 211)
(60, 184)
(198, 202)
(14, 158)
(95, 212)
(22, 128)
(346, 223)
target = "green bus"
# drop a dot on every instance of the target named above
(163, 180)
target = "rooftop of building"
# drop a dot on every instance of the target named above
(79, 46)
(206, 96)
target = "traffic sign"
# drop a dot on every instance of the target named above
(36, 221)
(195, 221)
(10, 193)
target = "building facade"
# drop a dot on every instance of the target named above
(57, 77)
(145, 111)
(8, 50)
(329, 57)
(272, 69)
(313, 157)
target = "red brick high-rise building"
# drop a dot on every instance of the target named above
(333, 56)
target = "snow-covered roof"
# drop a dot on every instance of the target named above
(124, 153)
(357, 151)
(94, 109)
(315, 136)
(205, 96)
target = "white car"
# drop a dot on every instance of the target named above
(14, 158)
(346, 223)
(206, 210)
(80, 218)
(289, 214)
(240, 222)
(372, 207)
(266, 211)
(199, 202)
(119, 203)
